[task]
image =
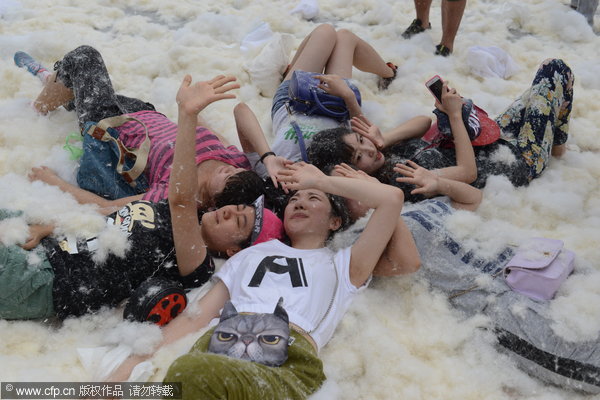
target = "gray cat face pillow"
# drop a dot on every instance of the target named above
(262, 338)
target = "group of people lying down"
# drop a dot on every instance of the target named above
(272, 216)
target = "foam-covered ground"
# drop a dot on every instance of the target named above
(399, 340)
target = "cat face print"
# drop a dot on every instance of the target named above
(262, 338)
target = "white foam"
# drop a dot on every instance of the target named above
(399, 340)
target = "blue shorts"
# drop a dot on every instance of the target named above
(281, 97)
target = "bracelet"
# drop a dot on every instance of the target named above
(267, 154)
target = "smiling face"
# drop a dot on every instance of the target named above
(225, 229)
(219, 178)
(308, 213)
(365, 155)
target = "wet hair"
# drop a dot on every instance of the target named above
(328, 148)
(241, 188)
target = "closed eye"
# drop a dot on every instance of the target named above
(270, 339)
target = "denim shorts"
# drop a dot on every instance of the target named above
(281, 97)
(97, 169)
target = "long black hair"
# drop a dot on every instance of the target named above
(328, 148)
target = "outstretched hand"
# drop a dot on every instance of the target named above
(365, 128)
(300, 176)
(274, 165)
(36, 234)
(45, 175)
(193, 98)
(427, 182)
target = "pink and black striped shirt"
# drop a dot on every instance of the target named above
(162, 133)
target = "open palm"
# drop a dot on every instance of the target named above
(193, 98)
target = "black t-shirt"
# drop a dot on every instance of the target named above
(417, 150)
(82, 285)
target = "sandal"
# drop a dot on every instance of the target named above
(415, 28)
(384, 83)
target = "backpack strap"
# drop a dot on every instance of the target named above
(99, 131)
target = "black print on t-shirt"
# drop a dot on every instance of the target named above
(280, 265)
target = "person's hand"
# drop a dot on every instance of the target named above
(347, 171)
(300, 176)
(44, 174)
(274, 165)
(451, 103)
(193, 98)
(36, 234)
(427, 182)
(335, 85)
(365, 128)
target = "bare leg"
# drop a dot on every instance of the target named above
(452, 12)
(314, 51)
(53, 95)
(351, 50)
(302, 45)
(422, 7)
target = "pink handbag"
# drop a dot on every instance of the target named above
(539, 267)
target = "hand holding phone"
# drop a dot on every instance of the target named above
(435, 85)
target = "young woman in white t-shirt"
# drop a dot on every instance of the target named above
(315, 306)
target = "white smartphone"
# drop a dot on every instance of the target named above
(435, 85)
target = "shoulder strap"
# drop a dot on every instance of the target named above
(299, 135)
(99, 131)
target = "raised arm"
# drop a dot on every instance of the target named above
(192, 319)
(401, 255)
(413, 128)
(462, 195)
(183, 183)
(252, 139)
(466, 168)
(386, 201)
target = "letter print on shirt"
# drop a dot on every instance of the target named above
(280, 265)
